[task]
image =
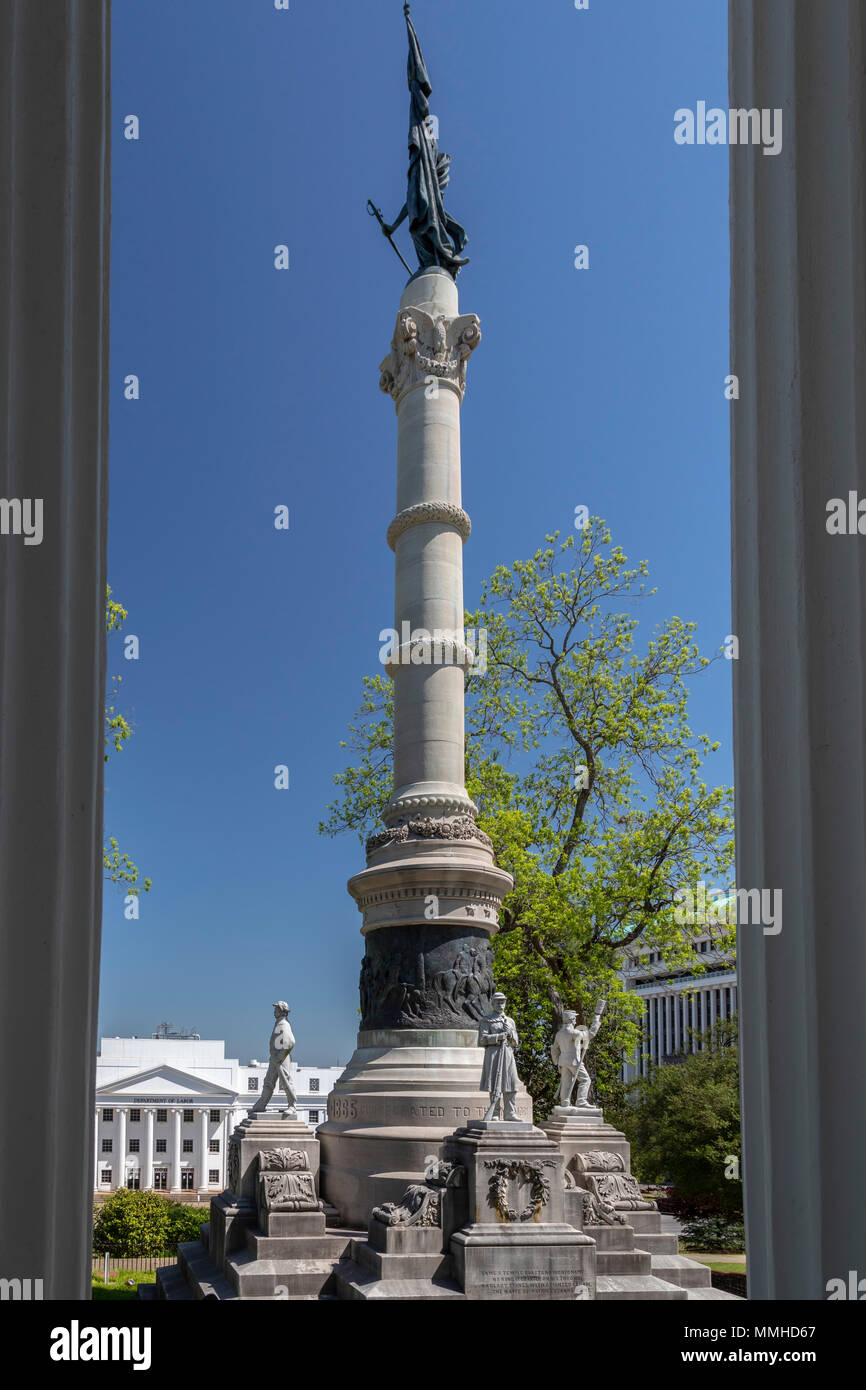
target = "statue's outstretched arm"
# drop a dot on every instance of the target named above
(390, 228)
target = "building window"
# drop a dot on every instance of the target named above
(214, 1146)
(252, 1083)
(314, 1117)
(106, 1146)
(214, 1116)
(160, 1179)
(314, 1083)
(133, 1179)
(105, 1177)
(134, 1146)
(160, 1146)
(186, 1179)
(187, 1146)
(108, 1116)
(213, 1175)
(135, 1117)
(188, 1117)
(161, 1117)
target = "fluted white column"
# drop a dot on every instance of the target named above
(799, 349)
(147, 1163)
(203, 1143)
(121, 1146)
(54, 251)
(174, 1175)
(96, 1150)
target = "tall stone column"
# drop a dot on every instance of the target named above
(431, 893)
(96, 1154)
(174, 1176)
(798, 241)
(54, 249)
(147, 1165)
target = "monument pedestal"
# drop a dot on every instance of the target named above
(267, 1235)
(517, 1243)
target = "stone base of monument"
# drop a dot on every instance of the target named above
(635, 1258)
(267, 1236)
(403, 1092)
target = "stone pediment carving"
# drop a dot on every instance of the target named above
(423, 347)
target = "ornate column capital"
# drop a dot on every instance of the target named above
(424, 347)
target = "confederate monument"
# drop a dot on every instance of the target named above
(430, 894)
(281, 1044)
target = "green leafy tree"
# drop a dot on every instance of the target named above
(588, 779)
(684, 1124)
(119, 867)
(185, 1223)
(131, 1223)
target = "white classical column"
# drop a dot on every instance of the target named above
(147, 1163)
(203, 1144)
(677, 1023)
(712, 1003)
(96, 1150)
(723, 1003)
(651, 1026)
(121, 1147)
(54, 251)
(174, 1176)
(798, 307)
(668, 1026)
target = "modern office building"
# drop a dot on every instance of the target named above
(166, 1106)
(679, 1004)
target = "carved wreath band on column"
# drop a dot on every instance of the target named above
(423, 512)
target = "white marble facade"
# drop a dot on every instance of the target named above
(678, 1004)
(165, 1108)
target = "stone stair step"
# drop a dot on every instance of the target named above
(613, 1237)
(200, 1274)
(170, 1285)
(354, 1282)
(625, 1262)
(620, 1287)
(263, 1247)
(641, 1221)
(712, 1295)
(680, 1270)
(253, 1278)
(414, 1266)
(659, 1242)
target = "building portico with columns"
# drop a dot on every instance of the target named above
(166, 1107)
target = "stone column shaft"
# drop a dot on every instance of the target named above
(54, 253)
(798, 320)
(205, 1158)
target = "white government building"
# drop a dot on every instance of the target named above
(679, 1004)
(166, 1106)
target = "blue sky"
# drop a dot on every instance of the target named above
(260, 387)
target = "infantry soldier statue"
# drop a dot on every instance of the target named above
(498, 1036)
(282, 1042)
(570, 1047)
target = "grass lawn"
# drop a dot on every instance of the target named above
(117, 1287)
(728, 1267)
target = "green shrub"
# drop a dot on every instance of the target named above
(131, 1223)
(714, 1233)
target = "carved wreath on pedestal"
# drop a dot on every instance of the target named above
(517, 1170)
